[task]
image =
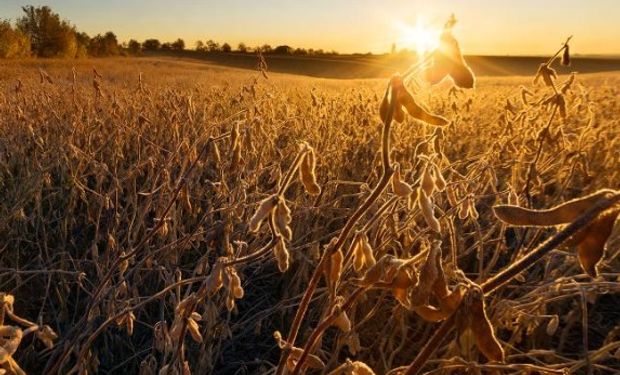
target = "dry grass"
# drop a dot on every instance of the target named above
(126, 222)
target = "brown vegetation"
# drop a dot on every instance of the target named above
(166, 217)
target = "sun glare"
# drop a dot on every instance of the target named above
(420, 36)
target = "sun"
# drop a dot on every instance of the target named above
(420, 36)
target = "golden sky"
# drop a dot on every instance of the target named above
(496, 27)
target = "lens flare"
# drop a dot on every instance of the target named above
(420, 36)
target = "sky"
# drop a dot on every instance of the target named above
(486, 27)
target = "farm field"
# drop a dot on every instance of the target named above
(170, 215)
(382, 66)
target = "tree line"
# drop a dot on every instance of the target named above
(40, 32)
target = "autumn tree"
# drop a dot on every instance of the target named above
(104, 45)
(212, 46)
(49, 35)
(134, 47)
(83, 43)
(151, 45)
(178, 45)
(13, 42)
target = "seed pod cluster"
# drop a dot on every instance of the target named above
(213, 153)
(282, 255)
(561, 214)
(399, 187)
(451, 195)
(392, 273)
(312, 361)
(590, 241)
(126, 320)
(432, 283)
(232, 285)
(193, 328)
(429, 275)
(547, 74)
(262, 212)
(427, 182)
(428, 210)
(363, 255)
(342, 320)
(215, 280)
(400, 99)
(283, 219)
(235, 150)
(568, 84)
(440, 182)
(447, 60)
(307, 172)
(332, 269)
(472, 212)
(553, 324)
(473, 317)
(566, 56)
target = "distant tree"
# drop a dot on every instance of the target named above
(300, 52)
(104, 45)
(178, 45)
(13, 42)
(200, 46)
(134, 47)
(283, 50)
(319, 52)
(226, 47)
(110, 44)
(49, 35)
(242, 48)
(310, 51)
(83, 42)
(151, 45)
(166, 47)
(212, 46)
(95, 45)
(266, 48)
(393, 49)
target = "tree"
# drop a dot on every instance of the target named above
(13, 42)
(151, 45)
(226, 47)
(266, 48)
(83, 42)
(49, 35)
(178, 45)
(166, 47)
(283, 50)
(200, 46)
(110, 44)
(242, 48)
(134, 47)
(212, 46)
(104, 45)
